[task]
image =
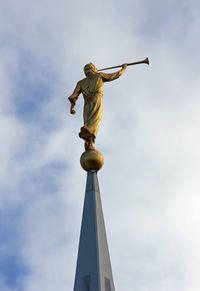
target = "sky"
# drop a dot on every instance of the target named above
(149, 136)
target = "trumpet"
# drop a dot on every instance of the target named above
(145, 61)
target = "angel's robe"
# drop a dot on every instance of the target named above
(92, 89)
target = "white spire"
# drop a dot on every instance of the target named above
(93, 270)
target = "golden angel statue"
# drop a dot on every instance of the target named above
(91, 88)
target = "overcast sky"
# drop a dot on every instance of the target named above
(149, 136)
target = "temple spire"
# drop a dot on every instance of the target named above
(93, 270)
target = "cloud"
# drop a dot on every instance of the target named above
(149, 136)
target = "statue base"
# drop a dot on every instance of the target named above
(91, 160)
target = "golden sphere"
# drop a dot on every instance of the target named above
(91, 160)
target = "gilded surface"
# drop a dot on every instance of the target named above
(91, 160)
(91, 88)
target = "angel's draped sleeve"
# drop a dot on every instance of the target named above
(110, 77)
(75, 94)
